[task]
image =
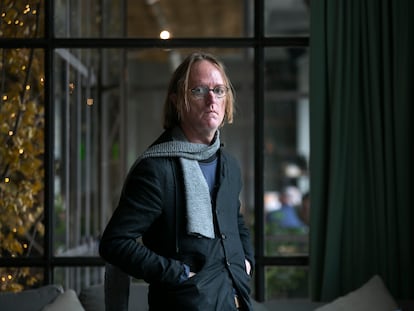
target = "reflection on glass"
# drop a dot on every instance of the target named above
(17, 279)
(21, 152)
(286, 282)
(153, 19)
(287, 17)
(87, 139)
(286, 151)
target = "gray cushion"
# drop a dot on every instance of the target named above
(373, 295)
(31, 299)
(68, 301)
(93, 299)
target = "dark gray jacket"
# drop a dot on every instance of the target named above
(152, 207)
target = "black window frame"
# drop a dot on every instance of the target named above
(258, 42)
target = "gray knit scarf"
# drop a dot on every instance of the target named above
(199, 209)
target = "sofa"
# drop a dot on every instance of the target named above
(55, 298)
(371, 296)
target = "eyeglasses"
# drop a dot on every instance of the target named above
(201, 91)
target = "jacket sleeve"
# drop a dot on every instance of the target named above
(139, 206)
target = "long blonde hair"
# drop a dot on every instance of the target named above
(178, 87)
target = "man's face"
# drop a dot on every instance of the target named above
(207, 111)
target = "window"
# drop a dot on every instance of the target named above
(82, 98)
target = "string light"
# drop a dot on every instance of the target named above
(89, 101)
(6, 180)
(11, 133)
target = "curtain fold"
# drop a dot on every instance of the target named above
(361, 98)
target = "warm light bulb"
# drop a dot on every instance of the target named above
(165, 34)
(11, 133)
(21, 151)
(27, 87)
(5, 97)
(89, 101)
(6, 179)
(9, 276)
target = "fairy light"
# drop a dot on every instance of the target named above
(6, 180)
(3, 279)
(9, 276)
(27, 9)
(11, 133)
(21, 151)
(89, 101)
(5, 97)
(27, 87)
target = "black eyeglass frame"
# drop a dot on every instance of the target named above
(204, 90)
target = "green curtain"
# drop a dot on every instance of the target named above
(361, 164)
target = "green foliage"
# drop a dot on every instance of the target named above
(21, 144)
(286, 281)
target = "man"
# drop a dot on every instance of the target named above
(182, 198)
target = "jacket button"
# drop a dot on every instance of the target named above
(227, 263)
(223, 236)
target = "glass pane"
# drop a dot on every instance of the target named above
(22, 19)
(78, 278)
(147, 19)
(17, 279)
(87, 141)
(286, 137)
(287, 17)
(286, 282)
(102, 124)
(21, 152)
